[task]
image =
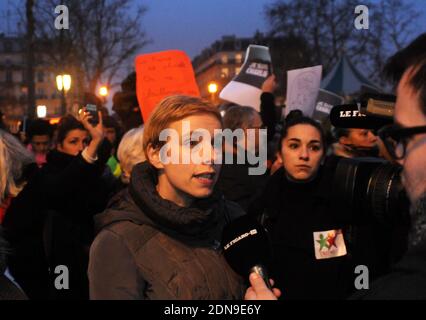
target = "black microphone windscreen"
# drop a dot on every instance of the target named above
(246, 244)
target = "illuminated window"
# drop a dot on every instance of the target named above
(238, 58)
(224, 73)
(224, 59)
(237, 70)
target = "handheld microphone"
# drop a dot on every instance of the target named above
(246, 248)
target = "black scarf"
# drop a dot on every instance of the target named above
(200, 221)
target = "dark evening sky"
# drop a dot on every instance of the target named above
(192, 25)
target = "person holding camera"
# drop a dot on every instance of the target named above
(68, 191)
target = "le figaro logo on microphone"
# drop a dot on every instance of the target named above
(241, 237)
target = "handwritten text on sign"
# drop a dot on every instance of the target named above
(162, 74)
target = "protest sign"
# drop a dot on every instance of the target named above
(302, 89)
(162, 74)
(245, 88)
(325, 102)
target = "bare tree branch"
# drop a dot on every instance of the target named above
(103, 35)
(328, 27)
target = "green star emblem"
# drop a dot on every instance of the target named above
(323, 242)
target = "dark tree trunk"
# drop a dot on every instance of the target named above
(30, 59)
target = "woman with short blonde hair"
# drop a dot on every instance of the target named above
(160, 239)
(13, 159)
(172, 109)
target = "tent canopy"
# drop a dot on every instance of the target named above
(345, 79)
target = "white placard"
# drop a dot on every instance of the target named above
(302, 89)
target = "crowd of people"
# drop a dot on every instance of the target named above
(127, 225)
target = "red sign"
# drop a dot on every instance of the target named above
(162, 74)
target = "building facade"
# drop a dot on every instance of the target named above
(219, 64)
(13, 84)
(223, 60)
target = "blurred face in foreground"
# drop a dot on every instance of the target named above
(408, 114)
(301, 152)
(75, 141)
(182, 183)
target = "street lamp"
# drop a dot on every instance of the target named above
(41, 111)
(63, 83)
(212, 88)
(103, 92)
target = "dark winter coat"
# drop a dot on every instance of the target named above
(150, 248)
(235, 182)
(8, 290)
(237, 185)
(292, 212)
(50, 223)
(406, 281)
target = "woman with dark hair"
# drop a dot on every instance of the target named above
(70, 190)
(310, 258)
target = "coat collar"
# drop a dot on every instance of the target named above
(200, 219)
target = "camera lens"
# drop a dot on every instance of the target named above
(369, 188)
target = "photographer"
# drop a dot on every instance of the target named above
(406, 142)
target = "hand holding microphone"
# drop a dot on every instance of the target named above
(247, 250)
(259, 290)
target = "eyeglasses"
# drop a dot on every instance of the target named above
(396, 138)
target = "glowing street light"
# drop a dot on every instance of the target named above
(63, 83)
(41, 111)
(212, 89)
(103, 91)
